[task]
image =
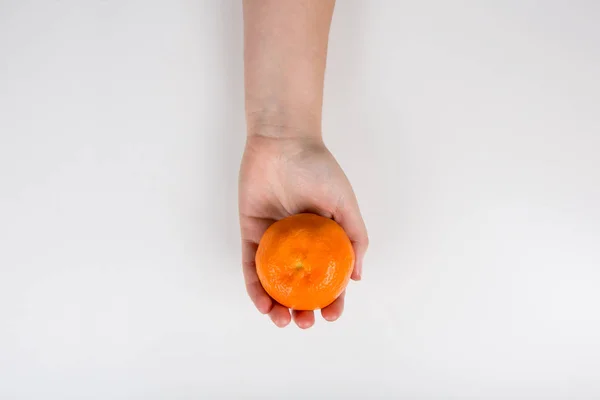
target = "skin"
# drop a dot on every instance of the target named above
(286, 168)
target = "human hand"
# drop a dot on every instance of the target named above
(282, 176)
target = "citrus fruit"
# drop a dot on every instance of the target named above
(304, 262)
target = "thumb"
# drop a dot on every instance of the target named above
(349, 217)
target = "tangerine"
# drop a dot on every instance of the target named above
(304, 261)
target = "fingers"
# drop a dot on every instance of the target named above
(360, 249)
(280, 315)
(252, 231)
(333, 311)
(349, 217)
(257, 294)
(304, 319)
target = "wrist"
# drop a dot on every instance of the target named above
(282, 140)
(285, 123)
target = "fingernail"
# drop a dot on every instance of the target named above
(304, 325)
(279, 323)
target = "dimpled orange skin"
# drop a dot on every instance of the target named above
(304, 262)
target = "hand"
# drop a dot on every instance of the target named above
(282, 176)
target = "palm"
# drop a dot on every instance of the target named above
(279, 178)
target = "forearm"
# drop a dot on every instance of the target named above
(285, 50)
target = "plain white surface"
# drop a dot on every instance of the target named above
(470, 131)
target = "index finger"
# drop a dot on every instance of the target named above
(252, 230)
(257, 294)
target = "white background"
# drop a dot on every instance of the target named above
(471, 133)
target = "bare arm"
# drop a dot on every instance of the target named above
(285, 50)
(286, 168)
